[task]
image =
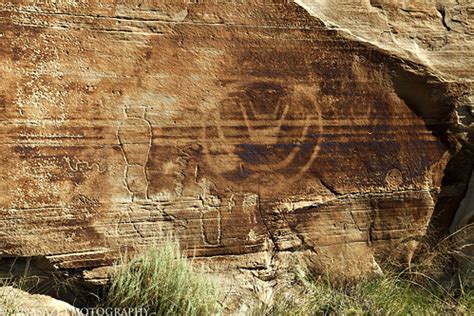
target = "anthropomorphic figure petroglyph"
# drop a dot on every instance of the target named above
(135, 135)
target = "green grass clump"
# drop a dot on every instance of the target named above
(386, 295)
(428, 283)
(162, 281)
(394, 293)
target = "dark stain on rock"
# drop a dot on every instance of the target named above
(26, 151)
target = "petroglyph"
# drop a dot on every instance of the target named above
(283, 131)
(145, 219)
(211, 226)
(394, 178)
(135, 137)
(231, 203)
(239, 124)
(77, 165)
(210, 216)
(250, 206)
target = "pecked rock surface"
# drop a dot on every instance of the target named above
(255, 133)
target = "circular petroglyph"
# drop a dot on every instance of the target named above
(263, 129)
(394, 178)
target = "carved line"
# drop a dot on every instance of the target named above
(219, 229)
(275, 130)
(280, 165)
(207, 207)
(76, 167)
(150, 140)
(146, 154)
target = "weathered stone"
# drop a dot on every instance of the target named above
(435, 33)
(463, 230)
(250, 131)
(16, 302)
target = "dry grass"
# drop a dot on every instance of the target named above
(8, 302)
(163, 281)
(391, 294)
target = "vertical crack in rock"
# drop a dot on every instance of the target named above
(442, 13)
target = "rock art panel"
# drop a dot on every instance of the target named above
(244, 130)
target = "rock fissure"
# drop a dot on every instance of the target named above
(442, 12)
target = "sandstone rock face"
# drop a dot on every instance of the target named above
(436, 33)
(253, 133)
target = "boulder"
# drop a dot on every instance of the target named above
(17, 302)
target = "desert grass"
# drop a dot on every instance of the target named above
(9, 303)
(391, 294)
(427, 283)
(162, 281)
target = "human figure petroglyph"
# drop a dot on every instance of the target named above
(135, 136)
(250, 207)
(210, 216)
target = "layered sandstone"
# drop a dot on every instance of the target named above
(252, 132)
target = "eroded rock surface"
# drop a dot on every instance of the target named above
(14, 301)
(437, 33)
(252, 132)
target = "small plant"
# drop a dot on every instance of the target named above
(426, 284)
(387, 295)
(163, 281)
(9, 302)
(393, 294)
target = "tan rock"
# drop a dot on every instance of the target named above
(16, 302)
(435, 33)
